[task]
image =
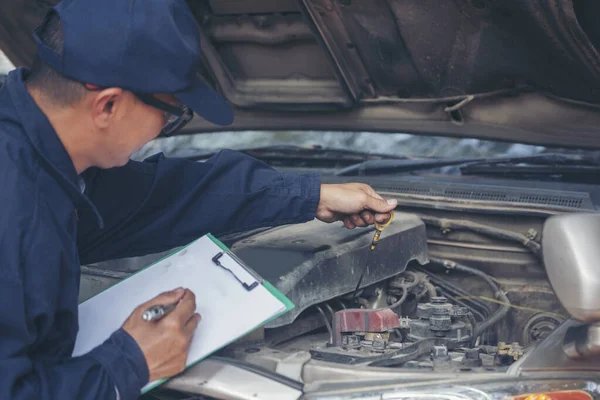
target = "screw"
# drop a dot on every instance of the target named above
(379, 345)
(440, 351)
(472, 358)
(532, 233)
(351, 342)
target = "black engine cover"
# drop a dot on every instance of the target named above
(316, 262)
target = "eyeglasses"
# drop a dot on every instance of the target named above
(175, 116)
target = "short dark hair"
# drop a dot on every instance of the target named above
(51, 83)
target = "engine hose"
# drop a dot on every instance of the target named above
(477, 304)
(401, 300)
(408, 353)
(414, 281)
(405, 286)
(473, 327)
(471, 303)
(500, 312)
(453, 299)
(478, 307)
(327, 323)
(430, 288)
(487, 230)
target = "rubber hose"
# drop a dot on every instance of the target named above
(483, 229)
(471, 318)
(405, 287)
(430, 288)
(401, 300)
(448, 287)
(500, 312)
(327, 324)
(453, 299)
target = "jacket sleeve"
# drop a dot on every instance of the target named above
(162, 203)
(36, 338)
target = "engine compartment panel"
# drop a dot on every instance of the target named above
(316, 262)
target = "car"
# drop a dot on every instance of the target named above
(481, 117)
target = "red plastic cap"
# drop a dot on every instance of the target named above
(363, 320)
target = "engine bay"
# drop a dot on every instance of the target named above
(454, 286)
(440, 293)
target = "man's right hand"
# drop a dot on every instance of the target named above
(165, 342)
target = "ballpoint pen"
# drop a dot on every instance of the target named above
(157, 312)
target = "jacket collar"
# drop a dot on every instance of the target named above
(46, 142)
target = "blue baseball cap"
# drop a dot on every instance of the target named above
(144, 46)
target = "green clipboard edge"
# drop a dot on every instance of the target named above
(272, 289)
(267, 285)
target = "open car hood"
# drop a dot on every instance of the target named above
(517, 70)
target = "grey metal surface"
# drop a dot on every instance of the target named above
(316, 262)
(314, 371)
(224, 381)
(582, 342)
(571, 251)
(549, 355)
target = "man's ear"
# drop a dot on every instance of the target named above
(107, 105)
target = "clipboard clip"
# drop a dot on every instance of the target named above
(216, 258)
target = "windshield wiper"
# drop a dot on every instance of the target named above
(569, 167)
(377, 167)
(302, 153)
(550, 167)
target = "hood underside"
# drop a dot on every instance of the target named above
(517, 70)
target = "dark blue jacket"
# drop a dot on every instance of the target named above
(52, 220)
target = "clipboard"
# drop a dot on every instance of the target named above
(232, 299)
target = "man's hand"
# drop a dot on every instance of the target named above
(165, 342)
(356, 204)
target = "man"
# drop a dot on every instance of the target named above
(109, 77)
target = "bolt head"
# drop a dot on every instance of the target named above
(439, 300)
(440, 351)
(472, 354)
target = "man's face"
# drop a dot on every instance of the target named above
(124, 125)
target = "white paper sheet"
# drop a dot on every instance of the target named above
(228, 311)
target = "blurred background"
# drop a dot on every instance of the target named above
(5, 66)
(368, 142)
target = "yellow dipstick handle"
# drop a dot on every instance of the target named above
(379, 228)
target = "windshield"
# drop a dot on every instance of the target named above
(393, 144)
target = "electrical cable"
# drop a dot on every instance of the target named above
(407, 353)
(457, 301)
(400, 301)
(405, 286)
(476, 306)
(487, 230)
(500, 312)
(522, 308)
(327, 323)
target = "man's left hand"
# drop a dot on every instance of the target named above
(356, 204)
